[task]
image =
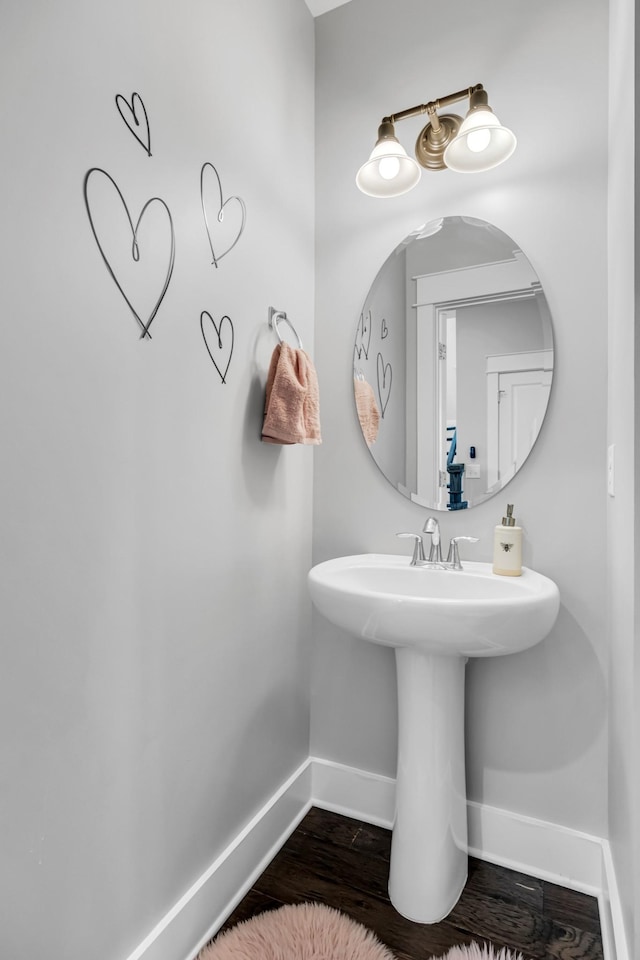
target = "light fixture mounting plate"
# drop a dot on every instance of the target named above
(431, 143)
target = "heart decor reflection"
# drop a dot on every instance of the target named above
(218, 342)
(222, 206)
(384, 330)
(385, 375)
(132, 113)
(135, 246)
(363, 336)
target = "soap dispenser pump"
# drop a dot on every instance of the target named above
(507, 546)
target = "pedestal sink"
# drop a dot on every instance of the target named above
(435, 619)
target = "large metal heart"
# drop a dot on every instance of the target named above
(135, 246)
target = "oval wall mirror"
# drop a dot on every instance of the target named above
(453, 362)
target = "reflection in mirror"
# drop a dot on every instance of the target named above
(453, 361)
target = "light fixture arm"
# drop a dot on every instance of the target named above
(435, 105)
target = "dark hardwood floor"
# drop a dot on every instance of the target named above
(344, 863)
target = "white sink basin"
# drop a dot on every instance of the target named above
(470, 612)
(435, 619)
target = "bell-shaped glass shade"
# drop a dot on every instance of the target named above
(482, 143)
(388, 172)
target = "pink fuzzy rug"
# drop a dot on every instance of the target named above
(311, 931)
(476, 952)
(305, 931)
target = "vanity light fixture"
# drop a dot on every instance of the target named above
(479, 142)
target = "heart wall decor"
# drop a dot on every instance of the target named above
(385, 376)
(223, 208)
(133, 113)
(222, 346)
(113, 195)
(363, 336)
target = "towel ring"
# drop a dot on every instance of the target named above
(275, 316)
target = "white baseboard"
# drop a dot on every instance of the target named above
(202, 910)
(353, 793)
(614, 937)
(545, 850)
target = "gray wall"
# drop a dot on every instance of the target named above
(537, 738)
(622, 510)
(154, 666)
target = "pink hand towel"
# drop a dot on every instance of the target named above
(292, 400)
(368, 413)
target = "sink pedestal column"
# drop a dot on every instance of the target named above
(429, 839)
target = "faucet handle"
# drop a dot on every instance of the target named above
(418, 547)
(453, 556)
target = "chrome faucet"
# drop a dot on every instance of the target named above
(419, 559)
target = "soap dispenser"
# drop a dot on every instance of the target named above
(507, 546)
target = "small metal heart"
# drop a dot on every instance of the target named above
(220, 215)
(129, 113)
(218, 331)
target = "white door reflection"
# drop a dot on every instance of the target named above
(489, 404)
